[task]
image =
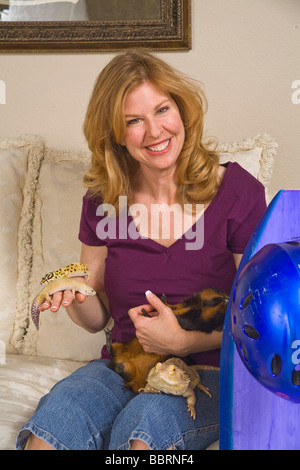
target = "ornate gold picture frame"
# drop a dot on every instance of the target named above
(167, 26)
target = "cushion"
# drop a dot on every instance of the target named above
(14, 156)
(255, 154)
(248, 159)
(48, 239)
(23, 381)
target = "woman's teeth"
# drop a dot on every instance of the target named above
(160, 147)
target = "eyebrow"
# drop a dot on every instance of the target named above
(156, 107)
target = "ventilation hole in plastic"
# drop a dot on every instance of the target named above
(234, 319)
(296, 376)
(243, 351)
(251, 332)
(246, 301)
(276, 365)
(293, 243)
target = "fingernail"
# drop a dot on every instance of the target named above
(65, 302)
(148, 292)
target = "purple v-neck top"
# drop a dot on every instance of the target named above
(135, 264)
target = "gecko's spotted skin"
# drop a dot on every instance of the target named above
(70, 270)
(60, 280)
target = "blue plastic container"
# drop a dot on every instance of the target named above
(265, 318)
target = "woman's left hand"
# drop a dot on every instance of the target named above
(160, 334)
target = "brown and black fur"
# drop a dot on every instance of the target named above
(131, 362)
(204, 311)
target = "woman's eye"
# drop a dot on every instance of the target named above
(133, 121)
(162, 110)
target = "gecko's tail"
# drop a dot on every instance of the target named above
(35, 313)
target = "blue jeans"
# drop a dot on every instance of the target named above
(90, 410)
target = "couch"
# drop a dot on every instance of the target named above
(40, 202)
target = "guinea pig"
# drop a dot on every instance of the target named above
(204, 311)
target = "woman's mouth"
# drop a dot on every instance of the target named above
(160, 147)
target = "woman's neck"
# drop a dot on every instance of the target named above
(155, 187)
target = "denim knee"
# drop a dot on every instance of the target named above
(163, 421)
(78, 413)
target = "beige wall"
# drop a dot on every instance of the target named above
(246, 52)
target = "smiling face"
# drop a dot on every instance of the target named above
(154, 129)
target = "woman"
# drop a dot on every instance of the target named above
(144, 127)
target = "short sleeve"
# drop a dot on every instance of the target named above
(88, 222)
(248, 209)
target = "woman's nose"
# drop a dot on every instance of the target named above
(154, 128)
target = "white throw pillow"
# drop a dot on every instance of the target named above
(14, 155)
(51, 234)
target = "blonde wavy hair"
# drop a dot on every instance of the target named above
(112, 167)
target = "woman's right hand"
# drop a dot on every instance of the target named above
(63, 298)
(92, 315)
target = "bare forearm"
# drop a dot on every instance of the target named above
(196, 341)
(91, 315)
